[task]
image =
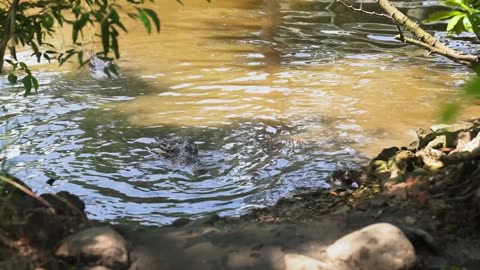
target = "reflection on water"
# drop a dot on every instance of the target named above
(276, 94)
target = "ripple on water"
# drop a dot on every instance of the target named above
(276, 95)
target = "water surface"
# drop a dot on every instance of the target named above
(276, 94)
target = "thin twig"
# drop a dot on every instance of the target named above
(373, 13)
(425, 40)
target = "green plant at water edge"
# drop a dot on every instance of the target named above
(465, 17)
(30, 23)
(470, 92)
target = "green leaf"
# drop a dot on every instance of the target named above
(467, 25)
(453, 22)
(46, 56)
(78, 25)
(475, 21)
(105, 34)
(116, 19)
(107, 72)
(27, 84)
(113, 69)
(23, 66)
(459, 4)
(36, 51)
(115, 48)
(132, 15)
(142, 15)
(449, 112)
(12, 78)
(472, 88)
(80, 57)
(442, 15)
(62, 59)
(114, 15)
(47, 20)
(10, 62)
(154, 18)
(34, 82)
(59, 18)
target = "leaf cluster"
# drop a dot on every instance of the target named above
(31, 23)
(464, 17)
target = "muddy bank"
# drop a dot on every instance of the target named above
(429, 191)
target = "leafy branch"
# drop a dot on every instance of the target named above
(31, 23)
(464, 18)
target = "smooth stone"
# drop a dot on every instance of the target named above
(301, 262)
(380, 246)
(98, 246)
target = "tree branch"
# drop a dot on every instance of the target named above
(464, 59)
(425, 40)
(373, 13)
(8, 31)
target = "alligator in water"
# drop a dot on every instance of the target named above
(182, 152)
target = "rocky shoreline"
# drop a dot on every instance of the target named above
(413, 207)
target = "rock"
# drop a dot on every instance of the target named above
(208, 220)
(469, 146)
(180, 222)
(438, 142)
(301, 262)
(387, 153)
(72, 200)
(449, 131)
(410, 220)
(431, 158)
(65, 203)
(380, 246)
(420, 172)
(401, 163)
(399, 191)
(439, 207)
(378, 202)
(347, 178)
(463, 138)
(98, 246)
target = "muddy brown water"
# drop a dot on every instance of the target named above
(276, 93)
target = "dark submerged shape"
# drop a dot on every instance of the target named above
(182, 152)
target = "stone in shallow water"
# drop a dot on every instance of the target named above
(380, 246)
(99, 246)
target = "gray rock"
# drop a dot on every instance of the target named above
(468, 146)
(98, 246)
(380, 246)
(431, 158)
